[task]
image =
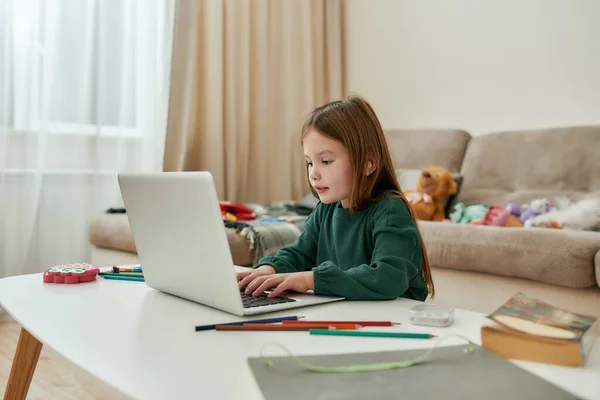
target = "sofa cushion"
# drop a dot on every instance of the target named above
(418, 148)
(520, 166)
(564, 258)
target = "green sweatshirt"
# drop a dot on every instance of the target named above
(374, 254)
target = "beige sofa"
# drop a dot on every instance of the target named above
(478, 267)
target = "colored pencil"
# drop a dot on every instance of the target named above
(309, 326)
(280, 327)
(372, 334)
(316, 325)
(126, 269)
(362, 323)
(257, 321)
(124, 278)
(134, 274)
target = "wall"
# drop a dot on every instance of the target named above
(476, 65)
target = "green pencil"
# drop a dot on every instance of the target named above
(371, 334)
(124, 278)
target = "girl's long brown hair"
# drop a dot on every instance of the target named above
(353, 123)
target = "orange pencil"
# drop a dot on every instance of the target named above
(361, 323)
(281, 327)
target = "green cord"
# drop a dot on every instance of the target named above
(360, 368)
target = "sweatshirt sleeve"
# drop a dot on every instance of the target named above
(301, 255)
(395, 262)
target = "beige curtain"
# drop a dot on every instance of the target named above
(244, 75)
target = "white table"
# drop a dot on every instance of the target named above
(142, 342)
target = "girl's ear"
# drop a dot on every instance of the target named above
(370, 167)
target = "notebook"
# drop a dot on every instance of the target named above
(449, 373)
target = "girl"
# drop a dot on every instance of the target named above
(361, 241)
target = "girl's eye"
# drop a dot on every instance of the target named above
(327, 162)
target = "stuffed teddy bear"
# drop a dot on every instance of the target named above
(434, 186)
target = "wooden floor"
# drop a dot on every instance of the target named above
(55, 377)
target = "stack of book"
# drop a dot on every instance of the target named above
(528, 329)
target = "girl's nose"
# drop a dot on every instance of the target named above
(314, 175)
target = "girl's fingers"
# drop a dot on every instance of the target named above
(255, 283)
(245, 281)
(243, 274)
(249, 278)
(282, 287)
(267, 284)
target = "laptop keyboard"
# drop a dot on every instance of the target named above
(250, 301)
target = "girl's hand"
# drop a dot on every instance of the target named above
(296, 281)
(244, 278)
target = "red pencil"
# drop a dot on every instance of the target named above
(281, 327)
(361, 323)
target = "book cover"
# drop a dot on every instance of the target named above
(529, 329)
(530, 315)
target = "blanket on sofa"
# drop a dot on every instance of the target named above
(264, 239)
(277, 225)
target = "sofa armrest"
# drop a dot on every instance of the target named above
(112, 231)
(597, 267)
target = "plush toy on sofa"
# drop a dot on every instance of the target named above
(468, 214)
(581, 215)
(514, 209)
(434, 186)
(505, 217)
(501, 216)
(535, 208)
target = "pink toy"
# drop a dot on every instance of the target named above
(501, 218)
(489, 217)
(71, 273)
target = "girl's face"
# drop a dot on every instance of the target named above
(329, 169)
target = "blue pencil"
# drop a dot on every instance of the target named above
(124, 278)
(256, 321)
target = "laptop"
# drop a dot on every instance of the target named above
(182, 244)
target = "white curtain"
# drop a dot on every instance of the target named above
(84, 88)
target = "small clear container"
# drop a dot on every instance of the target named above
(431, 315)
